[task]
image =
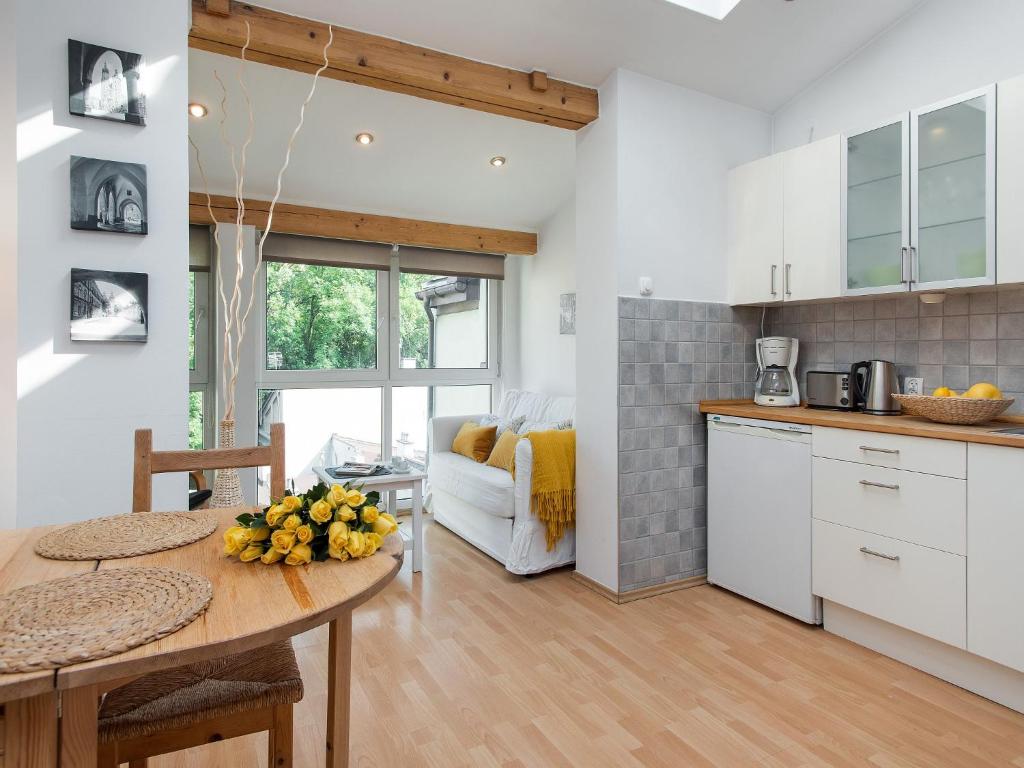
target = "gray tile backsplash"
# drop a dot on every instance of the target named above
(968, 338)
(672, 355)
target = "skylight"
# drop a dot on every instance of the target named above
(716, 9)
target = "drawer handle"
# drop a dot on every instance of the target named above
(874, 553)
(887, 486)
(893, 451)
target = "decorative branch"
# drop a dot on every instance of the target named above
(236, 320)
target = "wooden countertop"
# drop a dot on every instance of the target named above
(896, 425)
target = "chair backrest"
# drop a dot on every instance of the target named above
(149, 462)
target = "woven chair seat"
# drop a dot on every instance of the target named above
(184, 696)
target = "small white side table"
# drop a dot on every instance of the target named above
(412, 481)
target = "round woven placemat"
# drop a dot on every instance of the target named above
(139, 533)
(95, 615)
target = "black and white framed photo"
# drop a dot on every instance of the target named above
(109, 306)
(108, 196)
(105, 83)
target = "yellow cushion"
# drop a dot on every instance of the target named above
(504, 454)
(474, 442)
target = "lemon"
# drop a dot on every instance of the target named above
(944, 392)
(984, 391)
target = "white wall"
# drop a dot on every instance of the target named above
(675, 147)
(8, 264)
(78, 403)
(597, 248)
(547, 358)
(943, 48)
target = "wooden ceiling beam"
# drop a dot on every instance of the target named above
(324, 222)
(357, 57)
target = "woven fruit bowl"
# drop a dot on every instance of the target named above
(952, 410)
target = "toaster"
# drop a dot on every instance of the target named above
(829, 389)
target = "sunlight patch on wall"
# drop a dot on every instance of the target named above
(39, 133)
(41, 366)
(156, 73)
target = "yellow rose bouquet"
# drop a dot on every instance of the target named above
(339, 522)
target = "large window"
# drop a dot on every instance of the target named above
(356, 355)
(320, 318)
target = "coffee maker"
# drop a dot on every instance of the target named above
(776, 383)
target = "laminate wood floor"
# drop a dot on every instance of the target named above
(467, 665)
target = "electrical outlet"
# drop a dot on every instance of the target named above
(913, 386)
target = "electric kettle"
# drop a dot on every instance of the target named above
(873, 383)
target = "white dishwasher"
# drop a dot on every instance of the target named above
(759, 513)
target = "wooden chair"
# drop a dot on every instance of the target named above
(210, 700)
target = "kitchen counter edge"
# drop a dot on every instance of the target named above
(913, 426)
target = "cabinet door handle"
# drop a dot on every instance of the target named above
(774, 292)
(914, 266)
(894, 451)
(906, 275)
(883, 555)
(887, 486)
(786, 280)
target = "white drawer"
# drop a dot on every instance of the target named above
(921, 589)
(918, 454)
(922, 509)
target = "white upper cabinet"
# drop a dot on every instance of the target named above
(908, 204)
(812, 185)
(755, 232)
(953, 192)
(876, 214)
(920, 195)
(784, 213)
(1010, 181)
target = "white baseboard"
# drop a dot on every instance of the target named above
(973, 673)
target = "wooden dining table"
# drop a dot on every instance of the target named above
(51, 715)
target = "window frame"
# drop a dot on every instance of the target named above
(388, 373)
(442, 376)
(265, 375)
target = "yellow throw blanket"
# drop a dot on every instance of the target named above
(553, 487)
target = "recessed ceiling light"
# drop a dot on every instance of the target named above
(197, 110)
(497, 161)
(364, 138)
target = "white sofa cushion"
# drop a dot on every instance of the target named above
(503, 424)
(489, 489)
(536, 407)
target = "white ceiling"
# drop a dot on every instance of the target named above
(429, 160)
(761, 55)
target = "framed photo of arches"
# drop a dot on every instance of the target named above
(109, 306)
(108, 196)
(105, 83)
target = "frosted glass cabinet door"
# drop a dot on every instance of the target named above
(953, 192)
(877, 190)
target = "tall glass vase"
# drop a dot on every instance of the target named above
(227, 490)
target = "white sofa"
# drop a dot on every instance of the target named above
(484, 505)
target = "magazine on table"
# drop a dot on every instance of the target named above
(352, 469)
